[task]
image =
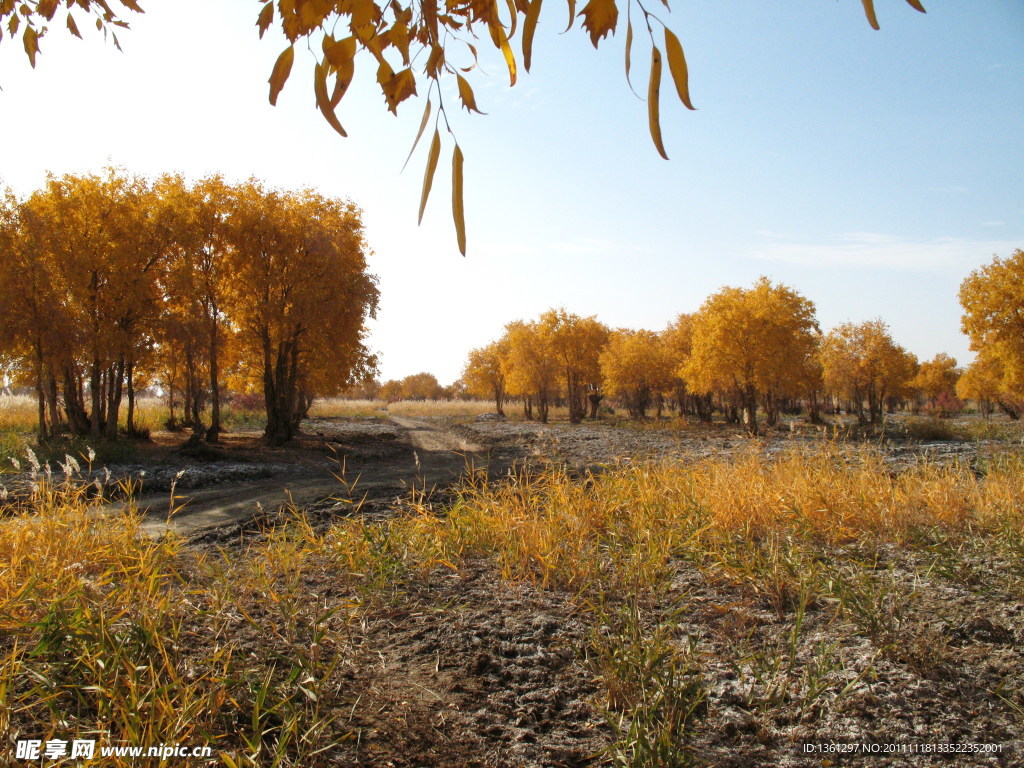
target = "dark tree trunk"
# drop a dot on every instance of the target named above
(130, 372)
(95, 384)
(499, 399)
(213, 434)
(51, 401)
(44, 433)
(115, 384)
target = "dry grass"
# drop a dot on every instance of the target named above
(18, 413)
(441, 408)
(111, 635)
(626, 525)
(343, 408)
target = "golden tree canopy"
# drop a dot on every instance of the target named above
(993, 301)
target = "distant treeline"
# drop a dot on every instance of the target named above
(758, 351)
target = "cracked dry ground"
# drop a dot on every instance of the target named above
(461, 668)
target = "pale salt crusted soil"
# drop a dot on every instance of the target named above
(466, 670)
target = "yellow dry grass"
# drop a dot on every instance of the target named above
(108, 633)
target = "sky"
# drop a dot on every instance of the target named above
(869, 170)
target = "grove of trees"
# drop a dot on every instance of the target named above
(746, 352)
(111, 282)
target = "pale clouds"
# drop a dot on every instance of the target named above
(885, 252)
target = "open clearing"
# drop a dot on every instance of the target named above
(411, 618)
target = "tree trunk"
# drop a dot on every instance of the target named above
(78, 419)
(749, 410)
(115, 384)
(499, 399)
(41, 394)
(51, 401)
(131, 399)
(213, 434)
(94, 416)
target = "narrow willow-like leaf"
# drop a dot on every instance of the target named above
(458, 212)
(506, 49)
(322, 99)
(419, 133)
(515, 17)
(572, 15)
(428, 177)
(869, 9)
(73, 28)
(677, 66)
(916, 5)
(629, 49)
(282, 68)
(529, 27)
(653, 93)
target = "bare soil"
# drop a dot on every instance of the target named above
(465, 669)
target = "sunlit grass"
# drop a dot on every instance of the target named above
(106, 632)
(342, 408)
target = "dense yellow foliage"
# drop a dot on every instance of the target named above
(109, 282)
(993, 302)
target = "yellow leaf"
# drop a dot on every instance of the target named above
(46, 9)
(398, 87)
(266, 17)
(677, 66)
(282, 68)
(529, 27)
(515, 16)
(384, 75)
(458, 212)
(419, 133)
(322, 101)
(916, 5)
(869, 9)
(501, 40)
(429, 10)
(599, 18)
(399, 37)
(653, 92)
(466, 94)
(435, 61)
(339, 53)
(428, 177)
(73, 28)
(31, 41)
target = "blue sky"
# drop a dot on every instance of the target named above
(871, 171)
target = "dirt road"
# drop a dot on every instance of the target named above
(418, 454)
